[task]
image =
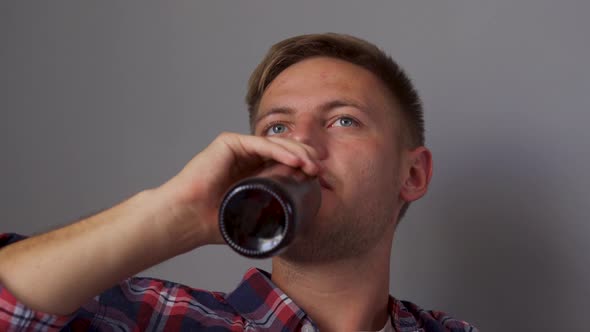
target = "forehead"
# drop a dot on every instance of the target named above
(316, 80)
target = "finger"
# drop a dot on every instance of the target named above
(252, 146)
(310, 151)
(306, 152)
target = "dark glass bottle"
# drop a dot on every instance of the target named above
(260, 216)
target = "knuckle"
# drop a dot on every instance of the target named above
(225, 134)
(229, 137)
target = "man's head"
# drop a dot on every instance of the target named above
(350, 49)
(352, 103)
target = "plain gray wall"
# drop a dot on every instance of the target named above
(102, 99)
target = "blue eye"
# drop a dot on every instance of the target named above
(277, 128)
(345, 122)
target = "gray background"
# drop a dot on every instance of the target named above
(102, 99)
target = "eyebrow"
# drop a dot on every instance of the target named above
(325, 107)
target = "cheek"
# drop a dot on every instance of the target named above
(366, 166)
(377, 169)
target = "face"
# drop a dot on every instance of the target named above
(344, 112)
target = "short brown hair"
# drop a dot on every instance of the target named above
(351, 49)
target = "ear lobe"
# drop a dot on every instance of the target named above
(417, 174)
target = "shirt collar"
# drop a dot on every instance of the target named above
(260, 301)
(403, 319)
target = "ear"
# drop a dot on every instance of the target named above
(416, 174)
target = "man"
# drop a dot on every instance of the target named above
(332, 105)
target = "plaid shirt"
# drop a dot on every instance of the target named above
(148, 304)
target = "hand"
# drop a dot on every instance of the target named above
(199, 187)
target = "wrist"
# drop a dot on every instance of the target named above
(178, 222)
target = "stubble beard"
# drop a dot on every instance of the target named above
(343, 236)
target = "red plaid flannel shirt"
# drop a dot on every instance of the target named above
(148, 304)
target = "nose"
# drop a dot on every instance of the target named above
(310, 132)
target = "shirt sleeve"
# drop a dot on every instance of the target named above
(15, 316)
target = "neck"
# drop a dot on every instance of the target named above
(346, 295)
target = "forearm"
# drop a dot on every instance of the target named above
(59, 271)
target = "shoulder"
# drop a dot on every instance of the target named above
(145, 304)
(144, 288)
(153, 294)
